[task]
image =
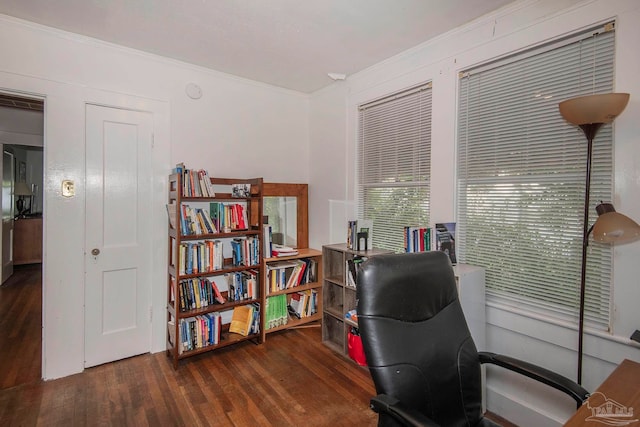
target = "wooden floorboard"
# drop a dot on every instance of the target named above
(21, 327)
(290, 380)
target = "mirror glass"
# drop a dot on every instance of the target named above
(285, 209)
(281, 214)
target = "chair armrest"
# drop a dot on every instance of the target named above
(538, 373)
(384, 404)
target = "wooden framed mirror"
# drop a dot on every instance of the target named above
(285, 208)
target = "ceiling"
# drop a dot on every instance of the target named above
(288, 43)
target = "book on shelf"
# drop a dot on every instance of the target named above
(242, 319)
(200, 257)
(417, 239)
(199, 331)
(195, 183)
(198, 293)
(353, 267)
(171, 211)
(445, 237)
(195, 221)
(267, 240)
(351, 234)
(277, 313)
(228, 217)
(242, 285)
(279, 273)
(255, 324)
(281, 250)
(304, 303)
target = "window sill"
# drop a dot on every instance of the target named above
(600, 344)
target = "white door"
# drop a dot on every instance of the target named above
(6, 206)
(118, 234)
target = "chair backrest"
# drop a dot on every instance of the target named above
(416, 340)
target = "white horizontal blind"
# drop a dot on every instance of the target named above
(394, 164)
(521, 177)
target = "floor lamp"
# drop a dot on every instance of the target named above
(590, 113)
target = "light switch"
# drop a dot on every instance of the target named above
(68, 188)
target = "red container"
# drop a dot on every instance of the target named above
(356, 351)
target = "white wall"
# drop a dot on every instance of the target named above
(238, 128)
(519, 26)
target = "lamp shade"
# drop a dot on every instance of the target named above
(614, 227)
(588, 109)
(21, 189)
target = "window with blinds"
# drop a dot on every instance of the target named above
(521, 177)
(394, 164)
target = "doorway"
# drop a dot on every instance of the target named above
(22, 139)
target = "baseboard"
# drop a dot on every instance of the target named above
(516, 410)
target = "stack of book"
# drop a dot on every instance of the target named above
(282, 251)
(304, 303)
(245, 251)
(200, 331)
(195, 221)
(198, 293)
(200, 257)
(228, 217)
(289, 274)
(417, 239)
(277, 313)
(195, 183)
(353, 267)
(242, 285)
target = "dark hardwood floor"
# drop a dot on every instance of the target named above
(290, 380)
(21, 327)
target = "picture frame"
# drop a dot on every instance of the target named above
(21, 172)
(240, 190)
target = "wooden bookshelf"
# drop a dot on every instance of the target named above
(313, 258)
(249, 266)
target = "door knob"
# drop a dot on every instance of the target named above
(95, 251)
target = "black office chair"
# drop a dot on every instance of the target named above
(421, 356)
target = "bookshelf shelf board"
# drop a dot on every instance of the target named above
(335, 312)
(213, 308)
(214, 236)
(337, 280)
(299, 288)
(225, 341)
(293, 322)
(351, 323)
(219, 272)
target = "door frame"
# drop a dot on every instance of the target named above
(63, 243)
(9, 243)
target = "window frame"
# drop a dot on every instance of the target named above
(545, 121)
(394, 137)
